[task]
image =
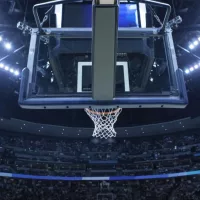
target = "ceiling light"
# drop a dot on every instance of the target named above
(151, 79)
(1, 38)
(1, 65)
(199, 38)
(191, 46)
(191, 69)
(11, 70)
(16, 73)
(195, 42)
(8, 45)
(6, 68)
(196, 66)
(187, 71)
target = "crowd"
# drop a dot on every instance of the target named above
(34, 155)
(185, 188)
(138, 156)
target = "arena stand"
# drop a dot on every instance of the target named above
(50, 156)
(165, 167)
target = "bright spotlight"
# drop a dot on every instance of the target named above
(187, 71)
(196, 66)
(1, 38)
(11, 70)
(16, 73)
(199, 38)
(191, 69)
(6, 68)
(8, 45)
(195, 43)
(151, 79)
(1, 65)
(191, 46)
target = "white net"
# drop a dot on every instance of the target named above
(104, 120)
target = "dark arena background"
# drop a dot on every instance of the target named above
(50, 153)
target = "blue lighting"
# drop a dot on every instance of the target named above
(111, 178)
(128, 15)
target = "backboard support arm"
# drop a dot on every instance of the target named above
(51, 3)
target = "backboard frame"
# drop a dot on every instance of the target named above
(177, 99)
(124, 64)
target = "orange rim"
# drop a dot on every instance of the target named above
(103, 113)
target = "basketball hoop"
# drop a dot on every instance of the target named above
(104, 120)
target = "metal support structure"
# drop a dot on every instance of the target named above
(12, 7)
(104, 50)
(171, 59)
(56, 67)
(32, 62)
(187, 51)
(46, 4)
(176, 99)
(150, 2)
(147, 69)
(12, 53)
(86, 33)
